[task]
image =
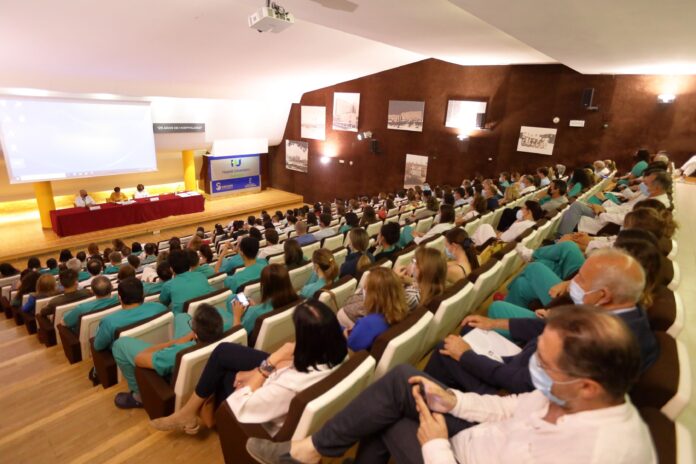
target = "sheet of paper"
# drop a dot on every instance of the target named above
(491, 344)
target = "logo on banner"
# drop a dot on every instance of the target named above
(235, 163)
(218, 186)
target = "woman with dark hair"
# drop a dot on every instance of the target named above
(45, 287)
(64, 256)
(447, 218)
(359, 258)
(641, 158)
(461, 255)
(578, 183)
(27, 285)
(325, 273)
(369, 217)
(292, 253)
(174, 244)
(352, 220)
(527, 215)
(276, 292)
(260, 386)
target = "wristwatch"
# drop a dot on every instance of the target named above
(266, 368)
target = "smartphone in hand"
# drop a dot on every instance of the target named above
(241, 297)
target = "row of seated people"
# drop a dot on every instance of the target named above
(320, 274)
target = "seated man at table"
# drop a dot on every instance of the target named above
(140, 192)
(132, 297)
(102, 288)
(184, 285)
(115, 259)
(117, 195)
(248, 250)
(83, 200)
(205, 327)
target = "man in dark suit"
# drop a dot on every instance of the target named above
(610, 279)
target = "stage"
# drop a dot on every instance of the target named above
(21, 234)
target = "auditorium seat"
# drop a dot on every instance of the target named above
(667, 383)
(278, 258)
(215, 298)
(308, 250)
(471, 226)
(104, 362)
(672, 440)
(308, 411)
(160, 396)
(333, 242)
(340, 256)
(63, 309)
(373, 229)
(449, 309)
(402, 343)
(485, 281)
(300, 275)
(424, 225)
(217, 281)
(337, 293)
(667, 311)
(252, 290)
(394, 219)
(404, 257)
(437, 242)
(273, 329)
(384, 262)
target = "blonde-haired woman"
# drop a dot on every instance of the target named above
(512, 193)
(359, 259)
(425, 278)
(324, 274)
(385, 305)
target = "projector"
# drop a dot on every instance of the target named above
(273, 19)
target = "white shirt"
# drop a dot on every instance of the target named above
(435, 230)
(527, 189)
(323, 233)
(269, 404)
(689, 167)
(142, 194)
(614, 213)
(544, 181)
(82, 202)
(270, 250)
(516, 229)
(511, 429)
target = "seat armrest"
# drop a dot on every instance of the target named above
(156, 393)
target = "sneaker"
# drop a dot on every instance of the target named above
(269, 452)
(127, 401)
(524, 252)
(93, 377)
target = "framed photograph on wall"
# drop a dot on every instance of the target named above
(465, 114)
(406, 115)
(538, 140)
(346, 108)
(296, 155)
(313, 122)
(416, 170)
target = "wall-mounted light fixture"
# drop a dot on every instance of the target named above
(325, 160)
(463, 136)
(364, 135)
(666, 98)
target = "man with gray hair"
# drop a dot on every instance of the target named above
(83, 199)
(101, 288)
(76, 265)
(610, 279)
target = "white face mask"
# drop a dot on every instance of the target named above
(520, 215)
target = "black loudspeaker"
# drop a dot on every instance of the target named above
(587, 97)
(374, 146)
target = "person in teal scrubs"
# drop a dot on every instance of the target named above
(563, 258)
(184, 285)
(406, 235)
(206, 254)
(205, 327)
(533, 283)
(276, 292)
(150, 254)
(325, 273)
(352, 220)
(229, 259)
(196, 266)
(164, 275)
(115, 259)
(248, 249)
(102, 288)
(131, 296)
(642, 157)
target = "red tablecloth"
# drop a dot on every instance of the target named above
(73, 221)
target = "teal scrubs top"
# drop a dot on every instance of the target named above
(575, 190)
(406, 236)
(183, 287)
(313, 285)
(82, 275)
(245, 275)
(638, 168)
(71, 317)
(344, 228)
(206, 269)
(163, 360)
(111, 269)
(108, 326)
(151, 288)
(147, 259)
(53, 271)
(231, 262)
(252, 313)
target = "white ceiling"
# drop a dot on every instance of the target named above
(204, 49)
(600, 36)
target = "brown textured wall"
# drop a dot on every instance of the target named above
(517, 95)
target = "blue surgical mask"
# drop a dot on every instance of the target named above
(519, 215)
(543, 382)
(644, 189)
(449, 254)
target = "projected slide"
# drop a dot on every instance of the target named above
(53, 139)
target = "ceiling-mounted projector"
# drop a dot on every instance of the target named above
(272, 17)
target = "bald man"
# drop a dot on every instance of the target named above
(610, 279)
(82, 200)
